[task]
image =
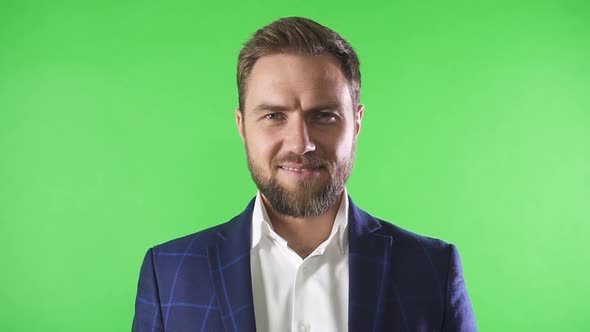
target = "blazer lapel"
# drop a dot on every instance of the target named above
(369, 271)
(229, 264)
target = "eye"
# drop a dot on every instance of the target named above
(273, 116)
(327, 116)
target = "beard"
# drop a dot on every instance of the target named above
(311, 197)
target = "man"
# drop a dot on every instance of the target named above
(302, 256)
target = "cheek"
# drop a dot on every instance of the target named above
(339, 143)
(261, 148)
(344, 149)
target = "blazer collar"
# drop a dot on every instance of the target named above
(229, 264)
(369, 261)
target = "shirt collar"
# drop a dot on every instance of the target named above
(261, 224)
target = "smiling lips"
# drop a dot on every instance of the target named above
(301, 168)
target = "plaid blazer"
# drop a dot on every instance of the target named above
(399, 281)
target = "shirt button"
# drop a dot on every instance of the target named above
(304, 327)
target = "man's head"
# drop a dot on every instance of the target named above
(299, 84)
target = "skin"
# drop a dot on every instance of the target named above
(299, 105)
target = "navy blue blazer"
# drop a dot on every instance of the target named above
(399, 281)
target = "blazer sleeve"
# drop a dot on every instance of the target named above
(459, 316)
(148, 315)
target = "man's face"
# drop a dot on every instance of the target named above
(300, 130)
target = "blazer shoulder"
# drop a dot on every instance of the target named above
(402, 238)
(408, 239)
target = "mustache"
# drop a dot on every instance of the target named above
(307, 160)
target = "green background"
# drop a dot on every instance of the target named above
(117, 133)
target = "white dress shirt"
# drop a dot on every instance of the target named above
(295, 294)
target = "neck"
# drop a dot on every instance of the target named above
(303, 235)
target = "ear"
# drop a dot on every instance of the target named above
(240, 123)
(358, 118)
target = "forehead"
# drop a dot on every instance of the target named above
(296, 80)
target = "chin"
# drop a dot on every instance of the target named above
(304, 185)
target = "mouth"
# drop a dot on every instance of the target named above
(300, 170)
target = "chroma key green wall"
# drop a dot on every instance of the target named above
(117, 133)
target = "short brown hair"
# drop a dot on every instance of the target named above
(301, 36)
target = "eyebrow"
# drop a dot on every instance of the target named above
(269, 107)
(278, 108)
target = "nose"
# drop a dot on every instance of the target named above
(297, 138)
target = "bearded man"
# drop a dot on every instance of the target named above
(302, 256)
